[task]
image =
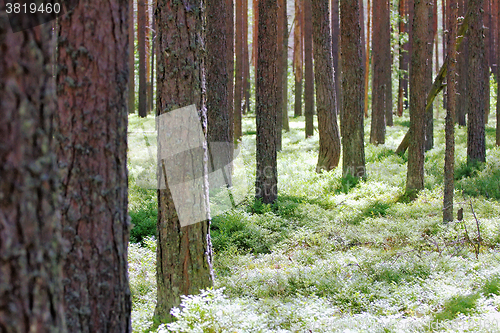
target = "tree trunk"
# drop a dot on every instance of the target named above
(335, 20)
(280, 70)
(284, 114)
(403, 59)
(462, 60)
(141, 43)
(308, 69)
(92, 154)
(131, 58)
(151, 91)
(381, 89)
(477, 93)
(218, 116)
(418, 93)
(238, 71)
(329, 136)
(429, 116)
(351, 120)
(449, 158)
(498, 75)
(230, 64)
(246, 60)
(298, 55)
(267, 99)
(367, 57)
(147, 55)
(184, 256)
(31, 291)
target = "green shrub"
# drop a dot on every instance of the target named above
(462, 304)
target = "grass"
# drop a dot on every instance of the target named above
(332, 255)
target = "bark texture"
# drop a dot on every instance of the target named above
(429, 116)
(30, 240)
(329, 136)
(238, 70)
(266, 183)
(92, 153)
(184, 255)
(352, 114)
(477, 92)
(141, 44)
(284, 114)
(298, 55)
(335, 21)
(418, 93)
(308, 69)
(449, 158)
(131, 58)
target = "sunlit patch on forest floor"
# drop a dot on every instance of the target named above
(332, 255)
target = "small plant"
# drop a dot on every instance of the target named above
(464, 304)
(491, 286)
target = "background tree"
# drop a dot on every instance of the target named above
(403, 58)
(498, 75)
(131, 58)
(266, 183)
(418, 94)
(280, 69)
(382, 82)
(218, 116)
(335, 21)
(352, 112)
(92, 155)
(184, 264)
(246, 60)
(329, 136)
(238, 70)
(141, 44)
(429, 116)
(449, 158)
(367, 56)
(30, 241)
(462, 58)
(230, 63)
(308, 69)
(284, 114)
(477, 93)
(298, 55)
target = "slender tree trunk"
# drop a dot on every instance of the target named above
(353, 160)
(267, 99)
(298, 55)
(449, 159)
(498, 75)
(131, 58)
(184, 256)
(255, 33)
(418, 93)
(367, 57)
(403, 59)
(381, 91)
(246, 59)
(31, 292)
(147, 55)
(284, 114)
(280, 70)
(462, 58)
(309, 72)
(335, 20)
(238, 71)
(151, 92)
(218, 116)
(429, 116)
(230, 64)
(329, 136)
(477, 93)
(92, 154)
(141, 43)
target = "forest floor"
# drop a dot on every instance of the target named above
(336, 256)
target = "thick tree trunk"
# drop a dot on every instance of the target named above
(298, 55)
(418, 93)
(92, 153)
(329, 136)
(141, 44)
(381, 89)
(351, 120)
(31, 292)
(309, 72)
(449, 158)
(267, 99)
(131, 58)
(238, 71)
(184, 256)
(477, 93)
